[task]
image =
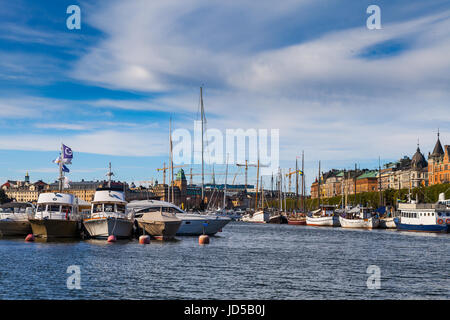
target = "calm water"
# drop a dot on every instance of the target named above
(245, 261)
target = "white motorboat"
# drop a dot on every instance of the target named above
(109, 216)
(14, 218)
(192, 224)
(56, 216)
(360, 217)
(325, 216)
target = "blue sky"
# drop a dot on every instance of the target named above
(312, 69)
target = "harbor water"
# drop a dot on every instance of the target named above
(245, 261)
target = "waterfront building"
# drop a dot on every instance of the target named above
(439, 164)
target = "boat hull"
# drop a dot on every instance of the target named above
(15, 228)
(195, 227)
(52, 228)
(421, 228)
(278, 219)
(297, 222)
(331, 221)
(387, 223)
(258, 217)
(370, 223)
(160, 230)
(105, 227)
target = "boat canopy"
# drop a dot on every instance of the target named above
(109, 196)
(57, 198)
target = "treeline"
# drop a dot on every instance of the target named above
(428, 194)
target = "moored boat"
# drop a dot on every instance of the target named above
(14, 218)
(192, 224)
(56, 216)
(109, 216)
(423, 217)
(387, 223)
(323, 217)
(158, 224)
(359, 218)
(261, 216)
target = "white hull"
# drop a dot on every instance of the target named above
(332, 221)
(197, 224)
(105, 227)
(370, 223)
(387, 223)
(257, 217)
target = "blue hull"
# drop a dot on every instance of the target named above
(421, 228)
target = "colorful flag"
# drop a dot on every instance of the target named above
(67, 153)
(65, 169)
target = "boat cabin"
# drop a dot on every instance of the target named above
(424, 213)
(108, 203)
(15, 210)
(58, 206)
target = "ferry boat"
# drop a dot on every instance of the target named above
(14, 218)
(261, 216)
(109, 216)
(426, 217)
(192, 224)
(56, 216)
(360, 217)
(323, 217)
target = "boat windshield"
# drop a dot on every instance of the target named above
(120, 208)
(66, 209)
(109, 207)
(97, 208)
(53, 208)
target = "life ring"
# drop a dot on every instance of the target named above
(440, 221)
(447, 221)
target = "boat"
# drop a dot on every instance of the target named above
(56, 216)
(359, 217)
(387, 223)
(279, 218)
(159, 224)
(192, 224)
(323, 217)
(298, 219)
(261, 216)
(423, 217)
(14, 218)
(109, 216)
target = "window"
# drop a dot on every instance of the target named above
(97, 208)
(120, 208)
(40, 208)
(66, 209)
(109, 207)
(53, 208)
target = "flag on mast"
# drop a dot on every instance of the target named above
(67, 154)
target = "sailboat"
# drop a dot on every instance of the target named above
(299, 218)
(109, 214)
(57, 214)
(325, 215)
(261, 215)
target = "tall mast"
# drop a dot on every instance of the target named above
(202, 118)
(303, 181)
(225, 188)
(60, 168)
(355, 183)
(109, 174)
(257, 186)
(296, 183)
(280, 177)
(379, 182)
(262, 195)
(319, 185)
(171, 195)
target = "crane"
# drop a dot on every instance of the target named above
(289, 175)
(164, 168)
(246, 165)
